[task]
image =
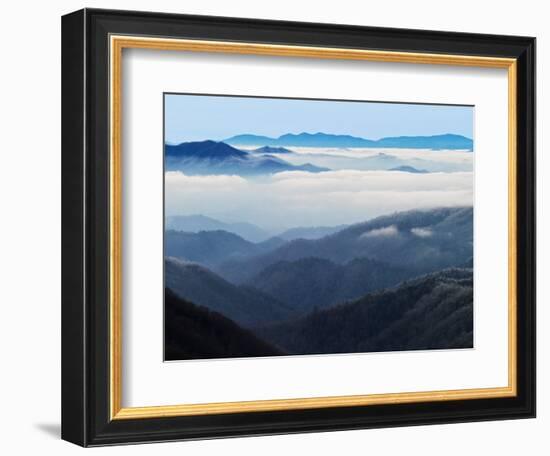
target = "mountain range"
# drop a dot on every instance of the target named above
(431, 312)
(397, 282)
(210, 157)
(211, 248)
(425, 240)
(383, 161)
(437, 142)
(198, 222)
(245, 305)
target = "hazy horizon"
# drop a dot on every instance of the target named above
(274, 230)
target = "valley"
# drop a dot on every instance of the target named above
(397, 282)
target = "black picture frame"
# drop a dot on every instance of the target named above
(85, 224)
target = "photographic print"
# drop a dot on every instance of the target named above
(309, 226)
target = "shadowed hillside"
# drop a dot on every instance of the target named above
(424, 240)
(213, 247)
(196, 223)
(193, 332)
(243, 304)
(431, 312)
(207, 247)
(312, 283)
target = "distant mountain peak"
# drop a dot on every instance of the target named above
(204, 149)
(272, 150)
(409, 169)
(211, 158)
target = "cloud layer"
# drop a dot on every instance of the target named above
(304, 199)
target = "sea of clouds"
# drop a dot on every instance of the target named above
(299, 198)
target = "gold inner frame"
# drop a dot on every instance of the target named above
(117, 44)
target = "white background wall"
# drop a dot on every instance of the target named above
(30, 228)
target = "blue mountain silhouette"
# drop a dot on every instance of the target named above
(445, 141)
(211, 157)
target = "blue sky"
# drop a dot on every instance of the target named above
(200, 117)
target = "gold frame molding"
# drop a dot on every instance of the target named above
(117, 44)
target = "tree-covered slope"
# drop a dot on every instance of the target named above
(425, 240)
(194, 332)
(243, 304)
(316, 283)
(431, 312)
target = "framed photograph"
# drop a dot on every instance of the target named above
(279, 227)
